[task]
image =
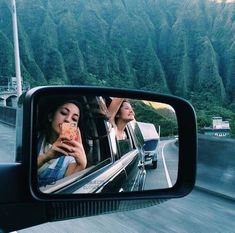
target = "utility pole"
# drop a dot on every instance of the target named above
(16, 50)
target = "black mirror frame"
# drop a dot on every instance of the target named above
(187, 130)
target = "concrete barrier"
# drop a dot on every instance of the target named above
(8, 115)
(216, 165)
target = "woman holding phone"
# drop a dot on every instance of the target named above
(60, 148)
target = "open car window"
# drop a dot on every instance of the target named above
(125, 145)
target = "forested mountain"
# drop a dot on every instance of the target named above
(185, 47)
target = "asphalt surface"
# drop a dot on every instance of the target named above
(199, 212)
(166, 173)
(7, 143)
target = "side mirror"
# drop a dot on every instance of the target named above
(112, 160)
(98, 164)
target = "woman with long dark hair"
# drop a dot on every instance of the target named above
(59, 155)
(120, 113)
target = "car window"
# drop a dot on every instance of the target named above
(96, 132)
(150, 144)
(125, 145)
(98, 151)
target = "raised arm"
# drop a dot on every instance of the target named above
(113, 109)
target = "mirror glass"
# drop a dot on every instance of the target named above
(103, 144)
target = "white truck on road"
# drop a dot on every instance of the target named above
(151, 139)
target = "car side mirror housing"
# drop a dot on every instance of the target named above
(153, 119)
(128, 149)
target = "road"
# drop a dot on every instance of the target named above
(7, 143)
(197, 212)
(166, 173)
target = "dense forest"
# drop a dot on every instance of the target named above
(185, 48)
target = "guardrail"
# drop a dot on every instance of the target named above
(8, 115)
(216, 165)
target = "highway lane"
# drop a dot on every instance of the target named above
(166, 173)
(197, 212)
(7, 143)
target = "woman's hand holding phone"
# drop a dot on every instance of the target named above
(69, 131)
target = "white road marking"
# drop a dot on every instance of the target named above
(165, 167)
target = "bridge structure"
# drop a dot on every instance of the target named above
(8, 96)
(9, 99)
(8, 91)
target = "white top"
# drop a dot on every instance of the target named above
(52, 163)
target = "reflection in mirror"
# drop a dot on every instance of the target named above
(100, 144)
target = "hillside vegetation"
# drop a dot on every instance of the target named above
(185, 48)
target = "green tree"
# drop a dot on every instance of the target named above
(6, 57)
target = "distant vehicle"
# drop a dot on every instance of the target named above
(151, 139)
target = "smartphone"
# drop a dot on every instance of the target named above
(69, 130)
